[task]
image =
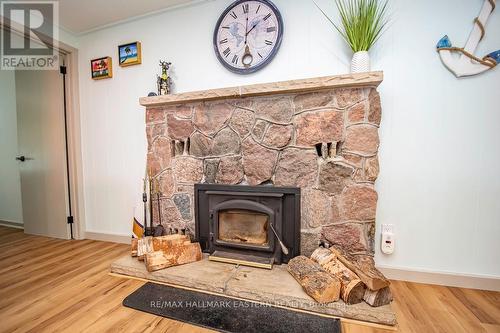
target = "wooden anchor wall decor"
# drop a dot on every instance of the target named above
(467, 64)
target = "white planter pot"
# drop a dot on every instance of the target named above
(360, 62)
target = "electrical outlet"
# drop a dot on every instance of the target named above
(387, 242)
(387, 228)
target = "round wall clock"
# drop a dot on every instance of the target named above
(248, 35)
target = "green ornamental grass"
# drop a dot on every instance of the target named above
(362, 22)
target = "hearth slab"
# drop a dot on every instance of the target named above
(274, 286)
(203, 275)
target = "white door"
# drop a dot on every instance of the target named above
(41, 140)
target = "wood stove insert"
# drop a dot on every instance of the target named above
(250, 225)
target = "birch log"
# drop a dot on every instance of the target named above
(166, 243)
(315, 281)
(364, 267)
(352, 288)
(133, 251)
(180, 254)
(144, 245)
(378, 297)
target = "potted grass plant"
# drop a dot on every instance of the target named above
(362, 22)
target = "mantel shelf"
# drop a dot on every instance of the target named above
(368, 79)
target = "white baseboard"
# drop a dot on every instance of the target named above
(12, 224)
(483, 282)
(105, 237)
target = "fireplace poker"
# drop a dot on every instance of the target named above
(145, 201)
(159, 230)
(283, 247)
(151, 229)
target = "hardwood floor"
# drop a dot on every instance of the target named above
(50, 285)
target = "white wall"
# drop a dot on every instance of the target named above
(439, 157)
(440, 181)
(10, 181)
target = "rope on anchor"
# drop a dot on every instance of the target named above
(493, 5)
(480, 24)
(481, 27)
(487, 61)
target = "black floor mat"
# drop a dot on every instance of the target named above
(224, 314)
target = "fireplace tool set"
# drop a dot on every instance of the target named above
(152, 185)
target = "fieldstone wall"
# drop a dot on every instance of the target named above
(324, 142)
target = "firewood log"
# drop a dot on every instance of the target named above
(180, 254)
(378, 297)
(165, 243)
(315, 281)
(352, 288)
(133, 251)
(144, 245)
(364, 267)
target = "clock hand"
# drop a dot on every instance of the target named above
(246, 31)
(256, 24)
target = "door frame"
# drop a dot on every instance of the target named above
(74, 129)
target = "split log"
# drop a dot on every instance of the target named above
(184, 253)
(317, 283)
(352, 288)
(378, 297)
(167, 243)
(144, 245)
(134, 247)
(364, 267)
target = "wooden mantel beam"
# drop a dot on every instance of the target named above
(369, 79)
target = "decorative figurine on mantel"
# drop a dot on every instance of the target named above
(164, 81)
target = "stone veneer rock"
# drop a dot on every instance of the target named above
(323, 141)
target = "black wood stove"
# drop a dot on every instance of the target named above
(248, 225)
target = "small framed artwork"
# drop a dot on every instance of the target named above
(129, 54)
(101, 68)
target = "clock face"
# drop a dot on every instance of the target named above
(248, 35)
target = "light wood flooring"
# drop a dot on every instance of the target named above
(51, 285)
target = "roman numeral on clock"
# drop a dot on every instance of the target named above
(258, 8)
(245, 8)
(226, 52)
(233, 14)
(268, 42)
(267, 16)
(235, 59)
(223, 41)
(271, 29)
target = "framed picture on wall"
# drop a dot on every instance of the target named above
(101, 68)
(129, 54)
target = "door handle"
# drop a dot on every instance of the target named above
(23, 158)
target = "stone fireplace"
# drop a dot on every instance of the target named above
(319, 135)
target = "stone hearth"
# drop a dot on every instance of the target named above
(275, 287)
(317, 134)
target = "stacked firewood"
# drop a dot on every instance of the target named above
(330, 274)
(165, 251)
